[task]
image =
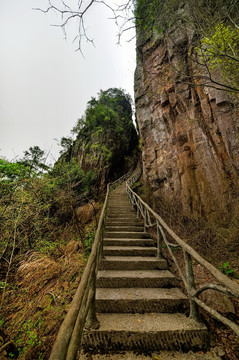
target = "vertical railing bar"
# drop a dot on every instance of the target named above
(145, 219)
(173, 257)
(137, 210)
(159, 240)
(142, 210)
(194, 312)
(149, 219)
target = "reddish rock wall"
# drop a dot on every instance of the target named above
(189, 134)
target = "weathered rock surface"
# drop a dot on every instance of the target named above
(189, 133)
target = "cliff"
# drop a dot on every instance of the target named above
(189, 132)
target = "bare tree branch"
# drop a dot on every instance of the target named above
(122, 15)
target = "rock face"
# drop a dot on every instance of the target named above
(189, 133)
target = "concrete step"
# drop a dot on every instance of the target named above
(143, 355)
(132, 263)
(119, 196)
(129, 251)
(126, 235)
(129, 242)
(119, 205)
(122, 217)
(114, 210)
(146, 333)
(122, 214)
(125, 228)
(136, 278)
(140, 300)
(128, 214)
(125, 221)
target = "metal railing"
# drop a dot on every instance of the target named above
(82, 309)
(227, 286)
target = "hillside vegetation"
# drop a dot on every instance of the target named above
(48, 217)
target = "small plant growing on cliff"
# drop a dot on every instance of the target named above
(140, 145)
(226, 269)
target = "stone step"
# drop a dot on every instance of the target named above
(125, 219)
(136, 278)
(124, 222)
(119, 202)
(129, 251)
(132, 263)
(122, 214)
(115, 195)
(140, 300)
(121, 218)
(146, 333)
(126, 215)
(120, 210)
(129, 242)
(125, 228)
(126, 235)
(146, 355)
(119, 205)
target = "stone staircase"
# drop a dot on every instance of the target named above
(138, 302)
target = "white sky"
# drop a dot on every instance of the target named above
(44, 83)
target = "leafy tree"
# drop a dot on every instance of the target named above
(78, 126)
(34, 211)
(35, 159)
(13, 170)
(220, 51)
(66, 144)
(213, 27)
(112, 110)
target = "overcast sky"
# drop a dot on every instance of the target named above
(44, 83)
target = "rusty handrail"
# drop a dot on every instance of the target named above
(229, 286)
(82, 308)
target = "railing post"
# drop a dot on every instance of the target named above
(159, 240)
(132, 201)
(194, 312)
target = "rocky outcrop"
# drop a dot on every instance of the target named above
(189, 133)
(106, 146)
(108, 153)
